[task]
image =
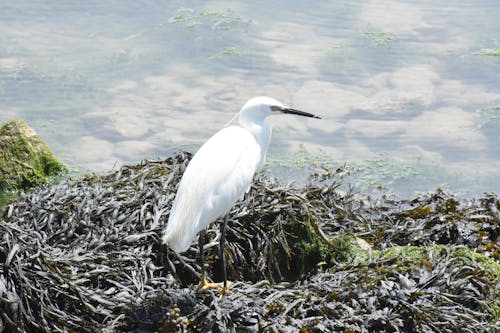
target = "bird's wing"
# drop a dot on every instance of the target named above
(218, 175)
(222, 170)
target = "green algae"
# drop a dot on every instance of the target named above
(302, 158)
(7, 197)
(411, 256)
(492, 52)
(212, 13)
(383, 170)
(469, 256)
(310, 250)
(489, 115)
(230, 51)
(176, 19)
(25, 161)
(380, 38)
(215, 20)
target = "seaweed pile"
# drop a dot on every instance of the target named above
(86, 256)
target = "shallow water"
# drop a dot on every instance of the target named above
(409, 92)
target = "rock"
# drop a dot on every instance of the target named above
(25, 160)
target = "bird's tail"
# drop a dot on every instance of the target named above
(180, 230)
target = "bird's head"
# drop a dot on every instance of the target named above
(261, 107)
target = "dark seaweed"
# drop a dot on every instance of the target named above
(86, 256)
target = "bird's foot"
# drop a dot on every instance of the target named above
(223, 289)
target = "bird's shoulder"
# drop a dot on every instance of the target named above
(230, 152)
(228, 143)
(237, 135)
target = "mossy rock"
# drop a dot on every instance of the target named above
(25, 160)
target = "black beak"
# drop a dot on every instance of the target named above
(299, 113)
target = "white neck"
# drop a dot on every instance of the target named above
(261, 130)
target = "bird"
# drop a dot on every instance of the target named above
(219, 174)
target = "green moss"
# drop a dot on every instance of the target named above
(489, 266)
(25, 160)
(410, 256)
(311, 250)
(468, 256)
(6, 197)
(495, 309)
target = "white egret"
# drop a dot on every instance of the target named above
(219, 174)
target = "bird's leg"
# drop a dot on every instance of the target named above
(204, 284)
(201, 244)
(225, 286)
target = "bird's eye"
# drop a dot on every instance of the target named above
(275, 108)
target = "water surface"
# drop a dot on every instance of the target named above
(409, 91)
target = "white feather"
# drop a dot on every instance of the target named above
(209, 190)
(221, 172)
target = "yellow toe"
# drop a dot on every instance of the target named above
(224, 290)
(205, 285)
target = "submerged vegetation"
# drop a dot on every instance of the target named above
(380, 38)
(86, 256)
(490, 52)
(214, 20)
(490, 115)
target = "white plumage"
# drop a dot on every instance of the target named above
(209, 189)
(221, 172)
